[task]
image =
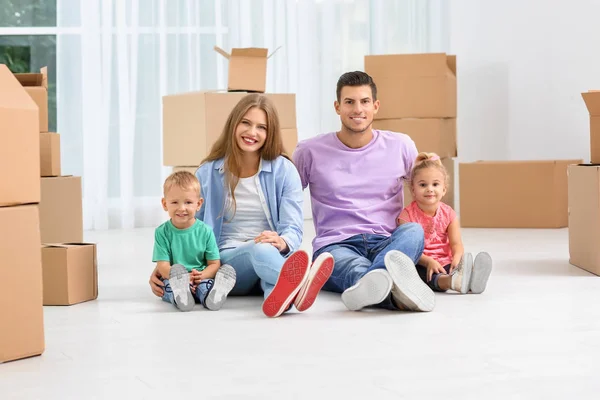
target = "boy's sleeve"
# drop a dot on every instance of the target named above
(212, 250)
(161, 247)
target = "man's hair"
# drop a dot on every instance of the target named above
(355, 78)
(184, 180)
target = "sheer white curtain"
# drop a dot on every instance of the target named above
(117, 58)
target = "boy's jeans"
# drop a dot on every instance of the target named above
(202, 291)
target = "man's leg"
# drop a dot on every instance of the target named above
(398, 254)
(359, 289)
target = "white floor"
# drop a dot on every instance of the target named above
(534, 334)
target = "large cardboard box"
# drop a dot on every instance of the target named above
(433, 135)
(192, 122)
(49, 154)
(584, 217)
(592, 102)
(21, 312)
(70, 273)
(36, 85)
(414, 85)
(61, 210)
(449, 197)
(514, 194)
(19, 143)
(185, 168)
(247, 68)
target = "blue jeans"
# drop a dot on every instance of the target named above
(362, 253)
(202, 290)
(254, 263)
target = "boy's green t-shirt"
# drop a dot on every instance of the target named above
(191, 247)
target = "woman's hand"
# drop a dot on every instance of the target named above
(274, 239)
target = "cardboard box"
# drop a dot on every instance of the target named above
(433, 135)
(290, 140)
(19, 143)
(247, 68)
(36, 85)
(49, 154)
(414, 85)
(592, 102)
(449, 197)
(192, 122)
(61, 210)
(514, 194)
(70, 273)
(584, 217)
(22, 321)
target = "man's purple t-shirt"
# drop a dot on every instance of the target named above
(354, 191)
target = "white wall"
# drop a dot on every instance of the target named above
(522, 66)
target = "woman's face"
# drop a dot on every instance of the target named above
(251, 132)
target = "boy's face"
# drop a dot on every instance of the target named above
(182, 206)
(429, 186)
(356, 108)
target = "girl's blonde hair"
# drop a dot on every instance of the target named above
(226, 146)
(428, 160)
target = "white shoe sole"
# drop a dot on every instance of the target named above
(482, 269)
(408, 290)
(224, 282)
(179, 279)
(373, 288)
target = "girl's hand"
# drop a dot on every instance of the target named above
(434, 267)
(273, 238)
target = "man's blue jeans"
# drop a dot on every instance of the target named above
(361, 253)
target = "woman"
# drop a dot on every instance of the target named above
(253, 202)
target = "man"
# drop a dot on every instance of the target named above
(356, 178)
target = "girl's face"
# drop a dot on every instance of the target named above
(251, 132)
(428, 186)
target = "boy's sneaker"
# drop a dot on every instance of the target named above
(179, 279)
(373, 288)
(318, 274)
(224, 282)
(409, 292)
(291, 277)
(461, 276)
(481, 272)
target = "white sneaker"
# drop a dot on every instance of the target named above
(224, 282)
(482, 269)
(179, 279)
(409, 291)
(462, 275)
(373, 288)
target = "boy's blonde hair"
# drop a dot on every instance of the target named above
(428, 160)
(184, 180)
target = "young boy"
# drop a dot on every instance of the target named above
(186, 251)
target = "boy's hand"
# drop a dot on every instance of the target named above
(195, 277)
(434, 267)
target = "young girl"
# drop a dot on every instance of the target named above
(443, 265)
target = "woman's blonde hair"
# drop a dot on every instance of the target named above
(428, 160)
(226, 146)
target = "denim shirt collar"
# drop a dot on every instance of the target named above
(264, 166)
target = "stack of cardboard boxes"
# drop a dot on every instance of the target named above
(192, 122)
(22, 332)
(584, 198)
(68, 265)
(418, 97)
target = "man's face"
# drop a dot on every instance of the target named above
(356, 108)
